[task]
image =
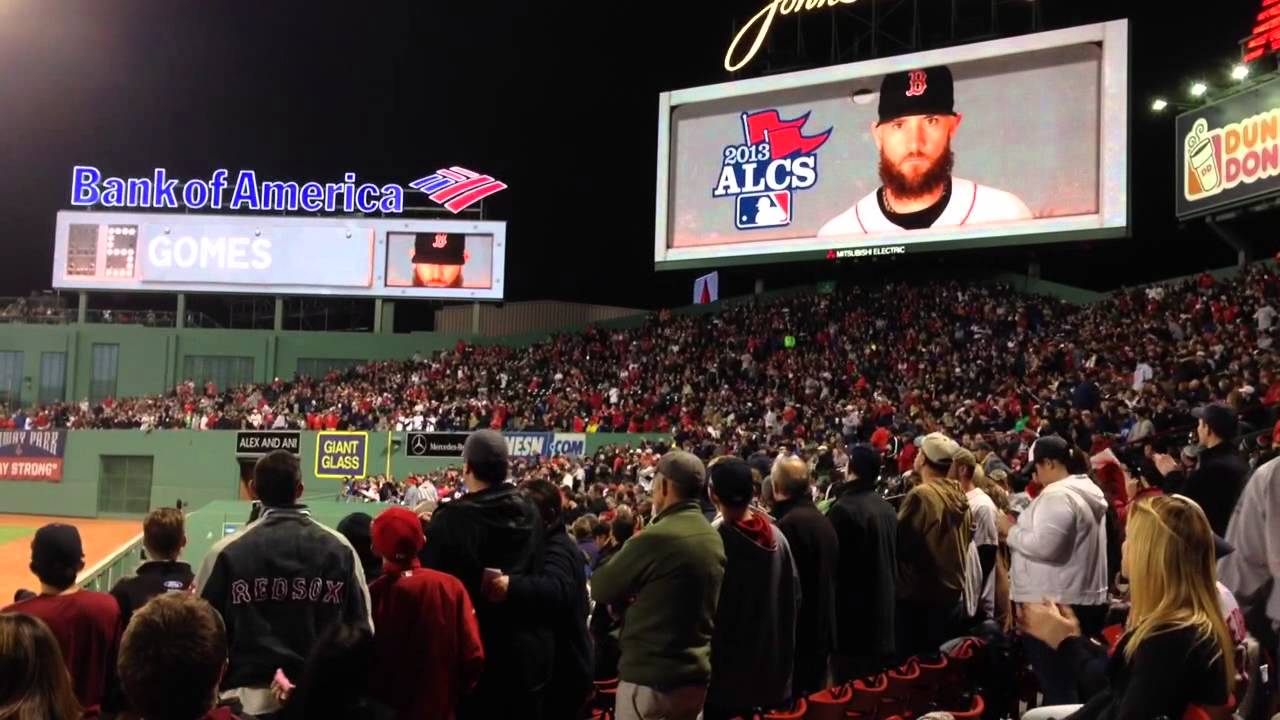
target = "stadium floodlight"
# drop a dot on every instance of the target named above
(1240, 72)
(1198, 89)
(1159, 104)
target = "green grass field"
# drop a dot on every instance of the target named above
(14, 533)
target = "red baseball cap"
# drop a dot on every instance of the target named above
(397, 536)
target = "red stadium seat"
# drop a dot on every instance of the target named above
(829, 704)
(797, 711)
(866, 698)
(896, 699)
(604, 698)
(1112, 634)
(976, 708)
(925, 691)
(1204, 712)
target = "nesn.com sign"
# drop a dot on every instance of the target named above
(546, 444)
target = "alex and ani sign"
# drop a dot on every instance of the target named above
(1229, 151)
(757, 28)
(32, 455)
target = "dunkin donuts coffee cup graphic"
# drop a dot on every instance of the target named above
(1203, 176)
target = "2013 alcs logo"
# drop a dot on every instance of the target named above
(775, 159)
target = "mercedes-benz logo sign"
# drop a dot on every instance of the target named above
(418, 443)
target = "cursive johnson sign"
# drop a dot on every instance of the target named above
(757, 28)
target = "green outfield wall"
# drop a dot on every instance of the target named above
(164, 466)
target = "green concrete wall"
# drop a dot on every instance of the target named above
(201, 467)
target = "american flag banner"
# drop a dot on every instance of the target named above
(457, 188)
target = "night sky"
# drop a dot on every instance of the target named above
(556, 99)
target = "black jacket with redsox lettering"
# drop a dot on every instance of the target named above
(278, 583)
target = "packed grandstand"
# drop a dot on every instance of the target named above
(966, 357)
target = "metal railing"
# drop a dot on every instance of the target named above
(106, 573)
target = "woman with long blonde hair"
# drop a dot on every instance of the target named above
(1176, 650)
(34, 683)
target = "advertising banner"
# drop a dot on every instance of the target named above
(914, 152)
(431, 444)
(32, 455)
(570, 444)
(528, 444)
(261, 442)
(342, 455)
(545, 444)
(1228, 152)
(706, 289)
(355, 257)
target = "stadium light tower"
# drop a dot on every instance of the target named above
(1198, 89)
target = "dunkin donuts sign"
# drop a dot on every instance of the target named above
(1229, 151)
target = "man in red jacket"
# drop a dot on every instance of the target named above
(432, 654)
(86, 624)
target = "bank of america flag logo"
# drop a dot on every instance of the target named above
(457, 188)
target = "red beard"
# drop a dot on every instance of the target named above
(934, 177)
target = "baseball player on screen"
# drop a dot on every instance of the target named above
(914, 131)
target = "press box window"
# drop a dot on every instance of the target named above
(11, 377)
(106, 366)
(319, 367)
(223, 371)
(53, 377)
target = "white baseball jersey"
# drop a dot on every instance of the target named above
(970, 204)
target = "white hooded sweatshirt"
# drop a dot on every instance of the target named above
(1252, 572)
(1060, 545)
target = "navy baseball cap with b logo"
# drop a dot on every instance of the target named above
(926, 91)
(439, 248)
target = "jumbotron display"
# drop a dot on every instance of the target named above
(357, 257)
(1006, 142)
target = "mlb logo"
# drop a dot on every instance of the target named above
(763, 210)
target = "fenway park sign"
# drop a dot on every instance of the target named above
(34, 455)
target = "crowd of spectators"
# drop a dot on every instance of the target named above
(852, 482)
(677, 583)
(962, 357)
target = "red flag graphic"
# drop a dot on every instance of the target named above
(785, 137)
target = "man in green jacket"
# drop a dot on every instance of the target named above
(667, 579)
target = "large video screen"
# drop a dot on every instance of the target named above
(357, 257)
(1005, 142)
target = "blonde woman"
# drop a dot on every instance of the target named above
(1176, 650)
(34, 684)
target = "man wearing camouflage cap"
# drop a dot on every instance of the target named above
(934, 531)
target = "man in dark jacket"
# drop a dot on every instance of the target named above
(557, 593)
(816, 551)
(494, 530)
(1217, 483)
(278, 583)
(604, 626)
(753, 648)
(867, 528)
